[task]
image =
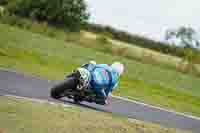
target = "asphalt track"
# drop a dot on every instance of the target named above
(13, 83)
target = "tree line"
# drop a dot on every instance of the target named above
(70, 14)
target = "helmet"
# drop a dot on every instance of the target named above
(119, 67)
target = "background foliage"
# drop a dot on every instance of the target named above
(70, 14)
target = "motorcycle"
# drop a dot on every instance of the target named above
(76, 87)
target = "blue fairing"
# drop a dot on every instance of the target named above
(104, 78)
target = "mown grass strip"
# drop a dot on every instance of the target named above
(21, 116)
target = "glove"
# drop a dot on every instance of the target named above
(93, 62)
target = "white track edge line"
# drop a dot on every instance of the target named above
(39, 100)
(118, 97)
(159, 108)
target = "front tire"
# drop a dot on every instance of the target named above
(58, 90)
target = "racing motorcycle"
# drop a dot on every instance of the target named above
(76, 86)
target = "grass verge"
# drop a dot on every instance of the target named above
(20, 116)
(53, 58)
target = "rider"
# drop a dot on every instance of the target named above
(104, 78)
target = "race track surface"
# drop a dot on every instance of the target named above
(12, 83)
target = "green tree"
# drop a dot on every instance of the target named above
(186, 35)
(187, 38)
(3, 2)
(68, 13)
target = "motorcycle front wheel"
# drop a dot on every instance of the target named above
(58, 90)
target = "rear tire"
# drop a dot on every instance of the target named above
(58, 90)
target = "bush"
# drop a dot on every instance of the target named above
(70, 14)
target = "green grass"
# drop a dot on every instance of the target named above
(103, 43)
(161, 96)
(53, 58)
(20, 116)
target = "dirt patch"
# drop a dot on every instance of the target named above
(2, 131)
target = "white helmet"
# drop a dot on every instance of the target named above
(119, 67)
